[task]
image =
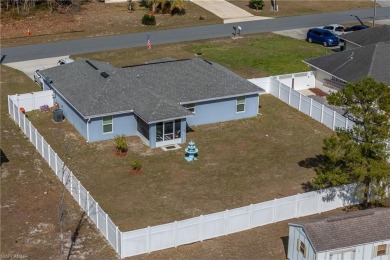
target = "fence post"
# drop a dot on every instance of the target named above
(24, 124)
(297, 206)
(116, 238)
(346, 123)
(322, 113)
(9, 105)
(97, 215)
(300, 101)
(29, 138)
(56, 162)
(274, 211)
(279, 89)
(107, 227)
(78, 182)
(36, 138)
(175, 235)
(48, 152)
(43, 151)
(148, 240)
(200, 228)
(88, 203)
(19, 118)
(311, 105)
(71, 183)
(225, 222)
(250, 215)
(319, 204)
(334, 120)
(289, 96)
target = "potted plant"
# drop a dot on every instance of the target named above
(121, 145)
(136, 167)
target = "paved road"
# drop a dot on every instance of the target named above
(103, 43)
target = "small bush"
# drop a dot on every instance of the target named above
(149, 19)
(136, 165)
(256, 4)
(178, 11)
(201, 18)
(120, 142)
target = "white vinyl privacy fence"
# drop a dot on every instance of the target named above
(185, 231)
(80, 194)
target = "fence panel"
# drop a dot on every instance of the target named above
(274, 87)
(294, 99)
(327, 117)
(340, 121)
(111, 233)
(309, 205)
(188, 231)
(39, 143)
(75, 188)
(33, 136)
(213, 225)
(284, 93)
(285, 208)
(162, 236)
(135, 242)
(45, 151)
(262, 213)
(83, 198)
(52, 157)
(92, 210)
(305, 105)
(102, 220)
(238, 220)
(316, 111)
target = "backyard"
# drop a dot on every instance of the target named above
(240, 162)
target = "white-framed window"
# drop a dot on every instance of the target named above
(107, 124)
(190, 107)
(381, 250)
(240, 104)
(301, 247)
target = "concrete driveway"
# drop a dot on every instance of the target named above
(227, 11)
(30, 66)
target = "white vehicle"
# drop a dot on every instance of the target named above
(336, 29)
(64, 61)
(38, 78)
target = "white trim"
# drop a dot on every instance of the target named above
(112, 125)
(238, 112)
(222, 98)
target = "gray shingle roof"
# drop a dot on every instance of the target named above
(153, 91)
(368, 36)
(353, 65)
(348, 229)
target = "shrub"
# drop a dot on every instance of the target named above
(178, 11)
(256, 4)
(136, 165)
(149, 19)
(201, 18)
(121, 144)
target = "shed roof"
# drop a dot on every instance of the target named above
(353, 65)
(368, 36)
(349, 229)
(153, 91)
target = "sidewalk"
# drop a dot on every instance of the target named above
(227, 11)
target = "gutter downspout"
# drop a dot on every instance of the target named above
(89, 120)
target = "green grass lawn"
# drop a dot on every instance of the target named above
(255, 55)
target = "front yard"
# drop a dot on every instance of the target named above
(240, 162)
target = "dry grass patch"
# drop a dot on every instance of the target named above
(240, 162)
(293, 8)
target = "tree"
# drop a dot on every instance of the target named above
(359, 154)
(256, 4)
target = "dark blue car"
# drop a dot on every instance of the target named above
(323, 37)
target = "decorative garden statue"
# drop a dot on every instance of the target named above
(191, 151)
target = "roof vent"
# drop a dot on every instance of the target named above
(104, 74)
(90, 64)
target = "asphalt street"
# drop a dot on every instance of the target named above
(63, 48)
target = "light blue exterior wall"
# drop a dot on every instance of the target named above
(223, 110)
(72, 116)
(296, 233)
(122, 124)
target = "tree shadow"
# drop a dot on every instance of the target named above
(83, 219)
(3, 157)
(285, 244)
(312, 162)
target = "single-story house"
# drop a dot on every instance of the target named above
(366, 37)
(358, 235)
(155, 101)
(333, 71)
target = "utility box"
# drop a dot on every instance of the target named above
(58, 115)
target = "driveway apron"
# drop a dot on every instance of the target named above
(227, 11)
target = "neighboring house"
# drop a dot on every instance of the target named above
(155, 101)
(366, 37)
(359, 235)
(333, 71)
